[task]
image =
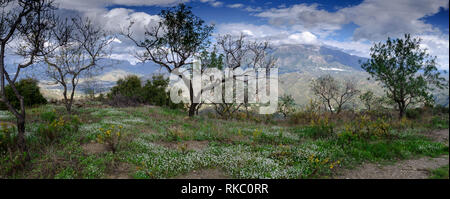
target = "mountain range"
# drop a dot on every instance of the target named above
(298, 65)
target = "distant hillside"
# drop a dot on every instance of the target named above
(298, 65)
(314, 59)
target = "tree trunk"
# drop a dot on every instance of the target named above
(21, 135)
(69, 107)
(192, 109)
(402, 109)
(21, 142)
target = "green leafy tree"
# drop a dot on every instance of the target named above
(154, 91)
(28, 89)
(367, 99)
(406, 71)
(286, 105)
(130, 86)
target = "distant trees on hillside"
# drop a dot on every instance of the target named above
(406, 71)
(130, 91)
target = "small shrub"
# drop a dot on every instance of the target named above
(414, 113)
(364, 128)
(49, 116)
(319, 128)
(111, 137)
(439, 123)
(11, 162)
(321, 165)
(54, 128)
(11, 159)
(175, 134)
(8, 138)
(305, 116)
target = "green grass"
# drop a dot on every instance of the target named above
(440, 173)
(242, 149)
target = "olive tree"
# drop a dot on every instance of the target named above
(406, 71)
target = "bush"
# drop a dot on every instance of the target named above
(155, 93)
(111, 137)
(29, 89)
(130, 92)
(439, 123)
(8, 138)
(54, 127)
(309, 113)
(126, 92)
(414, 113)
(320, 128)
(11, 159)
(364, 128)
(130, 86)
(441, 109)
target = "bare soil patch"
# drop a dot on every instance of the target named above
(204, 174)
(407, 169)
(94, 148)
(121, 171)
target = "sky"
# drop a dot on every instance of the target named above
(350, 25)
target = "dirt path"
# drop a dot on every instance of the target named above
(407, 169)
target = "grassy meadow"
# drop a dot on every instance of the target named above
(147, 142)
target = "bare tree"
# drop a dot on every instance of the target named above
(332, 93)
(24, 29)
(84, 45)
(238, 52)
(177, 38)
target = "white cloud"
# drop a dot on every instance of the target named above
(213, 3)
(276, 36)
(437, 46)
(87, 5)
(117, 20)
(308, 16)
(303, 38)
(358, 48)
(236, 5)
(376, 19)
